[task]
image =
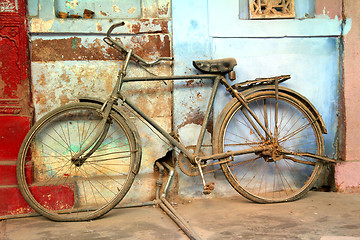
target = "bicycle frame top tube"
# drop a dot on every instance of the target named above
(218, 78)
(215, 77)
(121, 79)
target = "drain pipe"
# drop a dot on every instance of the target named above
(159, 182)
(157, 200)
(166, 206)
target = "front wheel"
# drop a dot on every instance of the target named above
(58, 187)
(270, 176)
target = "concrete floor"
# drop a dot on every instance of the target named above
(320, 215)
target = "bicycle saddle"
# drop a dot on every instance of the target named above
(224, 65)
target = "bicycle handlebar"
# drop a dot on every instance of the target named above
(113, 27)
(119, 47)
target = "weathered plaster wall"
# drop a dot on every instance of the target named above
(347, 175)
(69, 59)
(191, 42)
(307, 47)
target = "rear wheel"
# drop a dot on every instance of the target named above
(270, 176)
(59, 188)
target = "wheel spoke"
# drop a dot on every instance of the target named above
(63, 191)
(270, 176)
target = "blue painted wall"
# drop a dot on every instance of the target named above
(306, 48)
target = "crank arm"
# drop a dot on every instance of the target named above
(304, 154)
(207, 187)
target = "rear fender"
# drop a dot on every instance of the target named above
(294, 94)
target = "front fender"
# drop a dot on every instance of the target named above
(101, 102)
(128, 122)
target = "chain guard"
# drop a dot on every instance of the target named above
(186, 166)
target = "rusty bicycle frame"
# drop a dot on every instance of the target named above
(267, 146)
(194, 158)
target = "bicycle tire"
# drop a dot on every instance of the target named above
(261, 178)
(58, 189)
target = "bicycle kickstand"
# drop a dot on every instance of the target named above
(207, 187)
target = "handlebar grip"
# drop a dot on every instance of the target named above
(113, 27)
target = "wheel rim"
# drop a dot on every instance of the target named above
(59, 189)
(273, 177)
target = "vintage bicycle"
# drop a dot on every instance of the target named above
(79, 160)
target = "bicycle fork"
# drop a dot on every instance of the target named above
(79, 158)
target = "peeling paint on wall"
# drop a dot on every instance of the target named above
(76, 26)
(116, 8)
(132, 10)
(164, 10)
(39, 25)
(92, 48)
(76, 62)
(330, 8)
(60, 82)
(2, 86)
(72, 3)
(103, 9)
(99, 27)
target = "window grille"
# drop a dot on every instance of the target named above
(260, 9)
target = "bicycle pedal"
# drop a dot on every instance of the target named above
(208, 188)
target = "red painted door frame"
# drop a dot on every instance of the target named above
(15, 107)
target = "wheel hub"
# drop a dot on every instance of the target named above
(273, 152)
(78, 161)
